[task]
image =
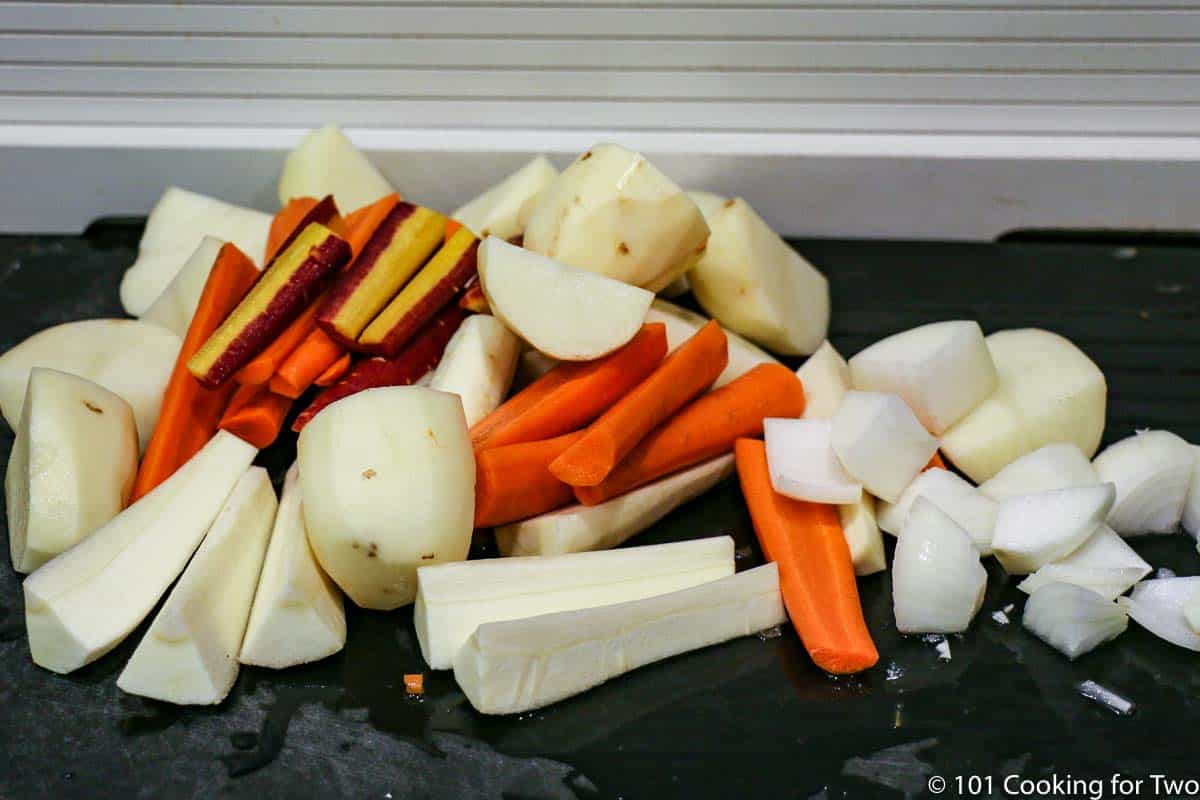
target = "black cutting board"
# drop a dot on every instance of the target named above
(750, 718)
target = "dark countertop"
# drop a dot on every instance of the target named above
(750, 718)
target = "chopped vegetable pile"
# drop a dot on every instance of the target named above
(512, 366)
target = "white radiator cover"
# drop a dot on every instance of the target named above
(922, 118)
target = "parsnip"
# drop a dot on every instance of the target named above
(174, 308)
(175, 227)
(681, 324)
(454, 599)
(84, 602)
(297, 615)
(579, 528)
(478, 365)
(189, 654)
(826, 379)
(518, 665)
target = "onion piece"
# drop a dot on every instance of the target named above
(1056, 466)
(1160, 606)
(1191, 507)
(1073, 620)
(1191, 612)
(964, 504)
(880, 442)
(1104, 563)
(1151, 471)
(826, 379)
(803, 465)
(1033, 530)
(937, 580)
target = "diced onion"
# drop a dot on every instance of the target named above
(1151, 471)
(1073, 620)
(1160, 606)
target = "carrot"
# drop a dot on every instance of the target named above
(331, 376)
(705, 429)
(286, 222)
(358, 228)
(452, 227)
(407, 367)
(816, 575)
(296, 216)
(306, 363)
(362, 222)
(256, 415)
(572, 394)
(473, 299)
(687, 372)
(936, 462)
(190, 413)
(266, 363)
(513, 482)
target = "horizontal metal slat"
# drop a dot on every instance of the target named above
(567, 83)
(1160, 120)
(966, 5)
(550, 54)
(592, 22)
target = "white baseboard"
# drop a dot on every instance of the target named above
(60, 178)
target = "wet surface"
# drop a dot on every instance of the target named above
(751, 718)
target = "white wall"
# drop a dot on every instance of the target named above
(921, 118)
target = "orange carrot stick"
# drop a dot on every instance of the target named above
(358, 227)
(266, 363)
(332, 375)
(305, 364)
(190, 413)
(513, 482)
(683, 376)
(417, 358)
(256, 415)
(572, 394)
(362, 222)
(936, 462)
(816, 575)
(705, 429)
(286, 222)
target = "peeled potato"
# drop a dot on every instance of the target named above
(708, 203)
(326, 162)
(72, 466)
(613, 213)
(388, 480)
(132, 359)
(755, 284)
(567, 313)
(1047, 390)
(174, 229)
(497, 212)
